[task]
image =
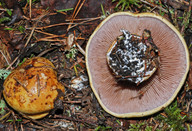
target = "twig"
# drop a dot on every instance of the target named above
(77, 62)
(75, 9)
(75, 13)
(37, 122)
(30, 1)
(22, 127)
(72, 102)
(187, 3)
(79, 9)
(3, 9)
(74, 24)
(28, 40)
(49, 26)
(34, 127)
(54, 36)
(80, 19)
(44, 52)
(80, 49)
(50, 40)
(21, 84)
(15, 118)
(73, 90)
(38, 85)
(5, 116)
(61, 12)
(36, 18)
(44, 32)
(4, 57)
(85, 21)
(145, 2)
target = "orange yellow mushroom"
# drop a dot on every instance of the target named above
(32, 88)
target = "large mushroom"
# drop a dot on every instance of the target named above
(32, 88)
(120, 98)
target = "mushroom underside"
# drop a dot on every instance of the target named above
(162, 87)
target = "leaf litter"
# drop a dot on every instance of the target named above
(59, 30)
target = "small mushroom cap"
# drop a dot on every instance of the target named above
(32, 88)
(121, 98)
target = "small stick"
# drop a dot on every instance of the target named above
(44, 52)
(22, 127)
(49, 26)
(79, 47)
(75, 9)
(85, 21)
(79, 8)
(45, 32)
(74, 13)
(73, 90)
(54, 36)
(164, 10)
(2, 9)
(30, 1)
(5, 57)
(21, 84)
(73, 102)
(5, 116)
(37, 122)
(51, 40)
(80, 19)
(75, 24)
(61, 12)
(38, 85)
(28, 40)
(36, 18)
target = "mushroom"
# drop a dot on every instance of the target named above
(120, 98)
(32, 88)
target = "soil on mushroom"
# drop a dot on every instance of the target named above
(133, 58)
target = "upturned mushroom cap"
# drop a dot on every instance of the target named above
(32, 88)
(120, 98)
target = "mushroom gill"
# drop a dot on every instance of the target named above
(119, 98)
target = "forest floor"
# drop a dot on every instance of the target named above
(59, 31)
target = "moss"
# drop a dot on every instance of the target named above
(172, 119)
(4, 73)
(125, 4)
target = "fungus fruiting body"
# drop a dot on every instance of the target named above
(133, 58)
(119, 97)
(32, 88)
